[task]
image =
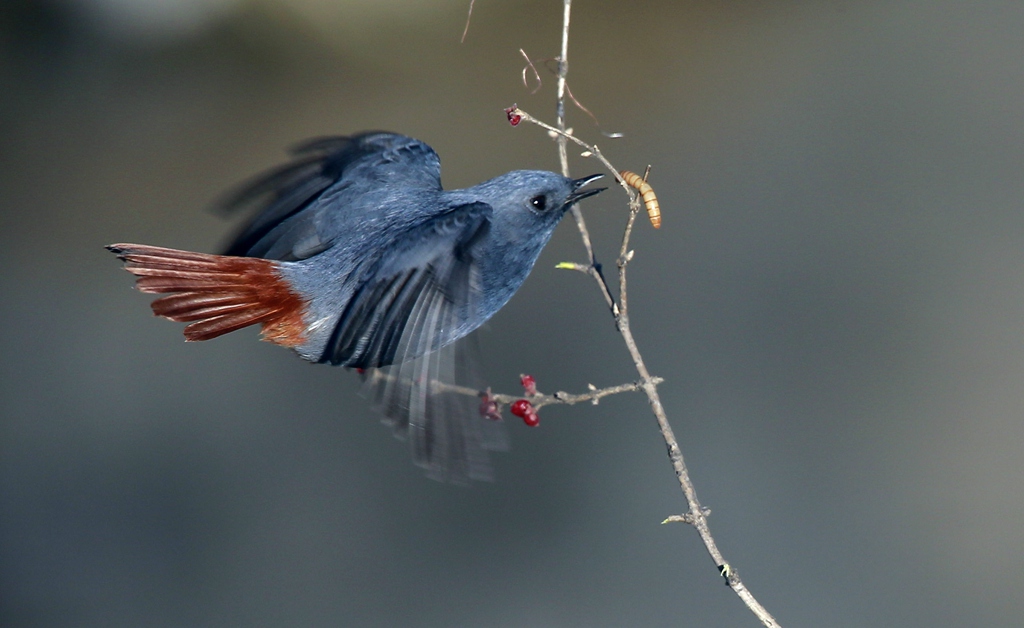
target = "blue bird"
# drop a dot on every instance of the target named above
(357, 257)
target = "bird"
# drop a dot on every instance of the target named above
(356, 256)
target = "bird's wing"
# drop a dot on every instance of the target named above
(413, 298)
(399, 324)
(281, 230)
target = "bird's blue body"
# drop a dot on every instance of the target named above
(373, 265)
(386, 216)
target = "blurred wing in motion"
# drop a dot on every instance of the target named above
(402, 321)
(447, 434)
(423, 294)
(281, 230)
(408, 306)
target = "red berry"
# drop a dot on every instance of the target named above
(529, 384)
(513, 118)
(531, 419)
(521, 407)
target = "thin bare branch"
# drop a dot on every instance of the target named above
(592, 149)
(563, 156)
(536, 75)
(594, 270)
(684, 518)
(696, 514)
(539, 400)
(579, 105)
(469, 17)
(561, 397)
(552, 65)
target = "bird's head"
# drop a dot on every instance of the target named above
(537, 198)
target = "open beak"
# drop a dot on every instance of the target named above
(579, 195)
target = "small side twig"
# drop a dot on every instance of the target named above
(563, 156)
(564, 136)
(579, 105)
(593, 396)
(469, 16)
(539, 400)
(536, 75)
(685, 517)
(593, 268)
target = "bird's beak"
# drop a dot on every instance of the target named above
(578, 195)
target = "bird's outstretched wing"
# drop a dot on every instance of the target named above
(280, 230)
(415, 296)
(408, 308)
(407, 303)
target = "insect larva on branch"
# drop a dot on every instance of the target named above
(634, 180)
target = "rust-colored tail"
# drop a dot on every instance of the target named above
(217, 294)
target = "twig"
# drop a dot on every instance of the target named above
(591, 149)
(594, 267)
(538, 400)
(536, 75)
(561, 397)
(563, 156)
(684, 518)
(551, 65)
(697, 514)
(469, 16)
(580, 106)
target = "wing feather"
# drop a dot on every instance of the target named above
(408, 306)
(433, 263)
(285, 197)
(400, 323)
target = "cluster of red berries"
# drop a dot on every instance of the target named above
(521, 408)
(525, 411)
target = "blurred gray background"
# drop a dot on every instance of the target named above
(835, 300)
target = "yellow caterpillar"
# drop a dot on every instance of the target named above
(647, 193)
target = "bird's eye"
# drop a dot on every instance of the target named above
(539, 202)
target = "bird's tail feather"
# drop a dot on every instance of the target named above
(217, 294)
